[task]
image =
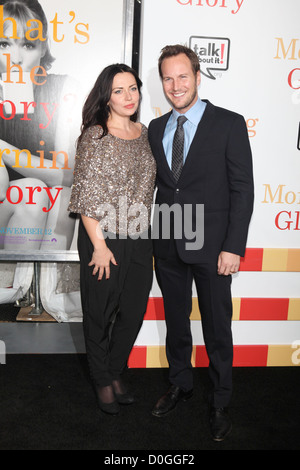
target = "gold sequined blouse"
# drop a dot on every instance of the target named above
(114, 181)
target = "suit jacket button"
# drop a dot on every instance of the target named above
(177, 190)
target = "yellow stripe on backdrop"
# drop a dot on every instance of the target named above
(283, 355)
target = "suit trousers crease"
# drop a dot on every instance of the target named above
(114, 308)
(175, 279)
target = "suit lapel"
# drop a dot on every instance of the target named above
(162, 154)
(201, 135)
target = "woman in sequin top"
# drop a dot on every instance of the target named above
(112, 191)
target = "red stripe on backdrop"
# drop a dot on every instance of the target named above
(264, 309)
(155, 309)
(243, 356)
(201, 358)
(254, 309)
(252, 261)
(250, 356)
(138, 357)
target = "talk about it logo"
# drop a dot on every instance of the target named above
(213, 54)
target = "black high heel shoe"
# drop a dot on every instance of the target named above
(106, 400)
(122, 396)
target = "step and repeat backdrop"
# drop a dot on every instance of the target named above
(249, 53)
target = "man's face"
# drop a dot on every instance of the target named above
(180, 84)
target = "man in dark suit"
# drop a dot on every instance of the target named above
(215, 176)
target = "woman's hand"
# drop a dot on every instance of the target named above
(102, 256)
(101, 259)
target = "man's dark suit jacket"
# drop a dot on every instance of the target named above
(218, 174)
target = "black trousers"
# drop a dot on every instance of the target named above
(114, 308)
(175, 279)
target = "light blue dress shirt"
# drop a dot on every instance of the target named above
(193, 116)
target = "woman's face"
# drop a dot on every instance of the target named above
(23, 52)
(125, 96)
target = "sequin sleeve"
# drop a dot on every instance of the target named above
(113, 177)
(87, 166)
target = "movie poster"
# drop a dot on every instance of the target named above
(51, 53)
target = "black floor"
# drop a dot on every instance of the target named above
(47, 403)
(8, 312)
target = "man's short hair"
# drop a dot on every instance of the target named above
(174, 50)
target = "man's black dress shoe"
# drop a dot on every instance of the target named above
(168, 401)
(220, 423)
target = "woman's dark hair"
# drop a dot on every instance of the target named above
(24, 10)
(96, 110)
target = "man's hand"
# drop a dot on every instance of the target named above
(228, 263)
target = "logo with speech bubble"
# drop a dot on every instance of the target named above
(213, 54)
